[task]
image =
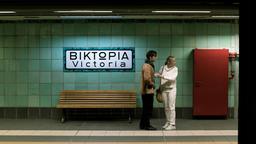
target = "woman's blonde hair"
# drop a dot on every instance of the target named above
(167, 59)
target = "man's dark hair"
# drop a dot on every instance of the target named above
(151, 53)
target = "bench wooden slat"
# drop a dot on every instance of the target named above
(106, 97)
(100, 102)
(84, 99)
(95, 106)
(97, 99)
(88, 94)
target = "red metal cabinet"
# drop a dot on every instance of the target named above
(210, 82)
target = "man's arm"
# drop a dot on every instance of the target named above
(147, 76)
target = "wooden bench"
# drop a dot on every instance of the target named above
(73, 99)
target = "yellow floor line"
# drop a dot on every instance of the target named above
(118, 133)
(119, 142)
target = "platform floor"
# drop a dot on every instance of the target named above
(189, 131)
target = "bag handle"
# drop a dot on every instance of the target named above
(161, 72)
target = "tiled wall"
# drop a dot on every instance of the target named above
(31, 56)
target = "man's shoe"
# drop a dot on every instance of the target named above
(150, 128)
(142, 127)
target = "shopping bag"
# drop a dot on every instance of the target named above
(159, 96)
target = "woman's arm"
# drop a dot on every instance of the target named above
(171, 77)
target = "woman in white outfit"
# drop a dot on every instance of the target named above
(168, 74)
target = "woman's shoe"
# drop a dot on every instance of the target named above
(166, 125)
(170, 127)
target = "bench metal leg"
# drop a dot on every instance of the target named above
(130, 119)
(63, 116)
(62, 120)
(130, 116)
